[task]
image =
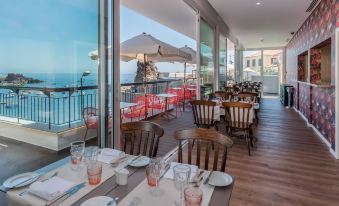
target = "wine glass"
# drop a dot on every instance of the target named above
(77, 152)
(182, 175)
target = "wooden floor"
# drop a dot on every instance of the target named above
(291, 165)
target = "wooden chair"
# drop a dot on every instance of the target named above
(141, 138)
(203, 113)
(248, 96)
(223, 96)
(229, 89)
(205, 139)
(237, 118)
(252, 97)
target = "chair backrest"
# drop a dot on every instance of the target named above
(141, 138)
(238, 115)
(203, 112)
(248, 96)
(223, 96)
(229, 88)
(88, 113)
(210, 145)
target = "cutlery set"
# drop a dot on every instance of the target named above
(66, 195)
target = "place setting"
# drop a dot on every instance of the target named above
(86, 169)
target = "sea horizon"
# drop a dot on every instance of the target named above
(66, 79)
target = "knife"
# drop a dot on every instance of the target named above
(66, 195)
(165, 171)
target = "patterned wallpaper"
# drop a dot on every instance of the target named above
(317, 104)
(319, 26)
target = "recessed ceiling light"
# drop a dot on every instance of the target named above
(258, 3)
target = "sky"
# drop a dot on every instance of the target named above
(133, 24)
(52, 36)
(55, 36)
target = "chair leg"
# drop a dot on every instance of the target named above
(85, 136)
(248, 140)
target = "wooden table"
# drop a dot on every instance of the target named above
(220, 197)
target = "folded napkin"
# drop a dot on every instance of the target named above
(50, 189)
(108, 155)
(170, 174)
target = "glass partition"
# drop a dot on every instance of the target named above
(252, 64)
(50, 80)
(222, 62)
(206, 59)
(272, 66)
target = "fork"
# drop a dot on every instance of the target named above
(25, 191)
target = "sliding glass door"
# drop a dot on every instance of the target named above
(272, 66)
(252, 65)
(207, 66)
(55, 68)
(222, 62)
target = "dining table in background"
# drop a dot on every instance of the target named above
(166, 97)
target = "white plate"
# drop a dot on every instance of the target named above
(140, 161)
(98, 201)
(220, 179)
(12, 182)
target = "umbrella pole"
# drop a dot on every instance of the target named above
(183, 105)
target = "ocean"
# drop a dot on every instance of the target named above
(58, 109)
(69, 80)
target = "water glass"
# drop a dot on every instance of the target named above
(193, 196)
(91, 154)
(77, 152)
(94, 172)
(182, 175)
(153, 174)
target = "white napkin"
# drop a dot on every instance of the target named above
(50, 189)
(170, 174)
(108, 155)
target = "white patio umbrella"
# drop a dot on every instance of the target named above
(248, 70)
(145, 47)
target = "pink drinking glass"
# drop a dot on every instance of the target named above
(193, 196)
(94, 172)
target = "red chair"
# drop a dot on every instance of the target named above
(138, 112)
(91, 119)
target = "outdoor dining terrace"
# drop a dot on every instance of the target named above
(257, 179)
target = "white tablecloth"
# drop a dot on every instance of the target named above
(65, 171)
(168, 198)
(218, 111)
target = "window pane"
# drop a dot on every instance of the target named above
(252, 70)
(222, 62)
(206, 59)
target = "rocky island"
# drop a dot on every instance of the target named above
(13, 79)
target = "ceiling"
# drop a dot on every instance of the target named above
(175, 14)
(272, 20)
